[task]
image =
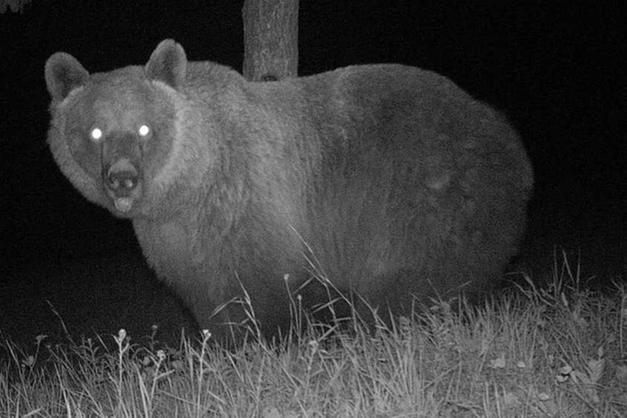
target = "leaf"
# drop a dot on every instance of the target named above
(595, 369)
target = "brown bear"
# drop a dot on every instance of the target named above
(388, 182)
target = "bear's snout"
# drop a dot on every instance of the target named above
(122, 180)
(121, 177)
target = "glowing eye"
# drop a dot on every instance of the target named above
(96, 134)
(144, 130)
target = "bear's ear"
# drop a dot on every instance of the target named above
(63, 74)
(168, 64)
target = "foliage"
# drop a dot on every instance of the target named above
(552, 351)
(15, 6)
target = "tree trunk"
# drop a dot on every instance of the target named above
(270, 39)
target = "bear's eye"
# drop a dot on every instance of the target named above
(143, 131)
(96, 134)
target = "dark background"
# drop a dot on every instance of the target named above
(555, 68)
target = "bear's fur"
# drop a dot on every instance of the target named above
(388, 180)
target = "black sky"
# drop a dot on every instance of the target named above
(556, 69)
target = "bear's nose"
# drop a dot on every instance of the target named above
(121, 177)
(122, 180)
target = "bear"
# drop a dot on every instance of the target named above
(386, 183)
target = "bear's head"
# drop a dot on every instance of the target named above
(112, 133)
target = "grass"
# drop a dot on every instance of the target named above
(557, 350)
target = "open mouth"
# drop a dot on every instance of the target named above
(123, 204)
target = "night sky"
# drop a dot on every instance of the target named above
(555, 68)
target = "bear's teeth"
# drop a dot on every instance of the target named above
(123, 204)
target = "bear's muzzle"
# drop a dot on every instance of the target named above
(122, 183)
